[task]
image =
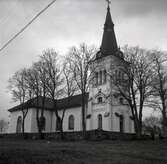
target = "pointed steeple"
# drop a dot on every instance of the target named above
(109, 43)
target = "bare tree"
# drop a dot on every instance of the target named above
(19, 90)
(52, 68)
(79, 57)
(40, 67)
(69, 87)
(33, 83)
(36, 80)
(3, 126)
(136, 86)
(159, 99)
(70, 84)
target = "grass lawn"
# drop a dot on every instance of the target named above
(82, 152)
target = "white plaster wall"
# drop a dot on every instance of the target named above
(109, 123)
(115, 123)
(89, 112)
(76, 112)
(105, 120)
(128, 123)
(47, 115)
(13, 121)
(30, 121)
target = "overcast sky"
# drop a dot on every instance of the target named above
(70, 22)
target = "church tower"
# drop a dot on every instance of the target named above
(107, 110)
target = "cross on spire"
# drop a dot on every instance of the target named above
(108, 2)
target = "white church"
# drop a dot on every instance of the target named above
(105, 108)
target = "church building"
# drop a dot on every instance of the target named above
(106, 109)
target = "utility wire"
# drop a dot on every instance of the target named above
(28, 24)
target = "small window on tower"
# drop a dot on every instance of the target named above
(100, 99)
(96, 78)
(121, 100)
(105, 74)
(122, 76)
(100, 77)
(119, 75)
(116, 75)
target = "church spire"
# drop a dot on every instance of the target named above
(109, 43)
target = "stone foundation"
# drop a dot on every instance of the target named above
(75, 136)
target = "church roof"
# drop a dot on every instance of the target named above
(64, 103)
(109, 42)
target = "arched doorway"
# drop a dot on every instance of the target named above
(19, 125)
(100, 124)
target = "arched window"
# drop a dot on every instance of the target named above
(105, 76)
(99, 117)
(100, 99)
(121, 100)
(71, 122)
(96, 78)
(19, 125)
(100, 77)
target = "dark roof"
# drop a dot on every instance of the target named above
(64, 103)
(109, 42)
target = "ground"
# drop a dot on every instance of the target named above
(82, 152)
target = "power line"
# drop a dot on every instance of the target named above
(29, 23)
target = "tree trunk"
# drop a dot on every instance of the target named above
(38, 120)
(164, 120)
(136, 121)
(164, 123)
(60, 120)
(38, 123)
(23, 122)
(83, 116)
(61, 130)
(23, 128)
(137, 127)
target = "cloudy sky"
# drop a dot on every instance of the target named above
(70, 22)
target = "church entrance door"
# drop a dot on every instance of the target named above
(100, 124)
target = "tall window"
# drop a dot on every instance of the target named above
(121, 123)
(105, 75)
(99, 117)
(122, 76)
(19, 125)
(116, 75)
(71, 122)
(100, 77)
(96, 78)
